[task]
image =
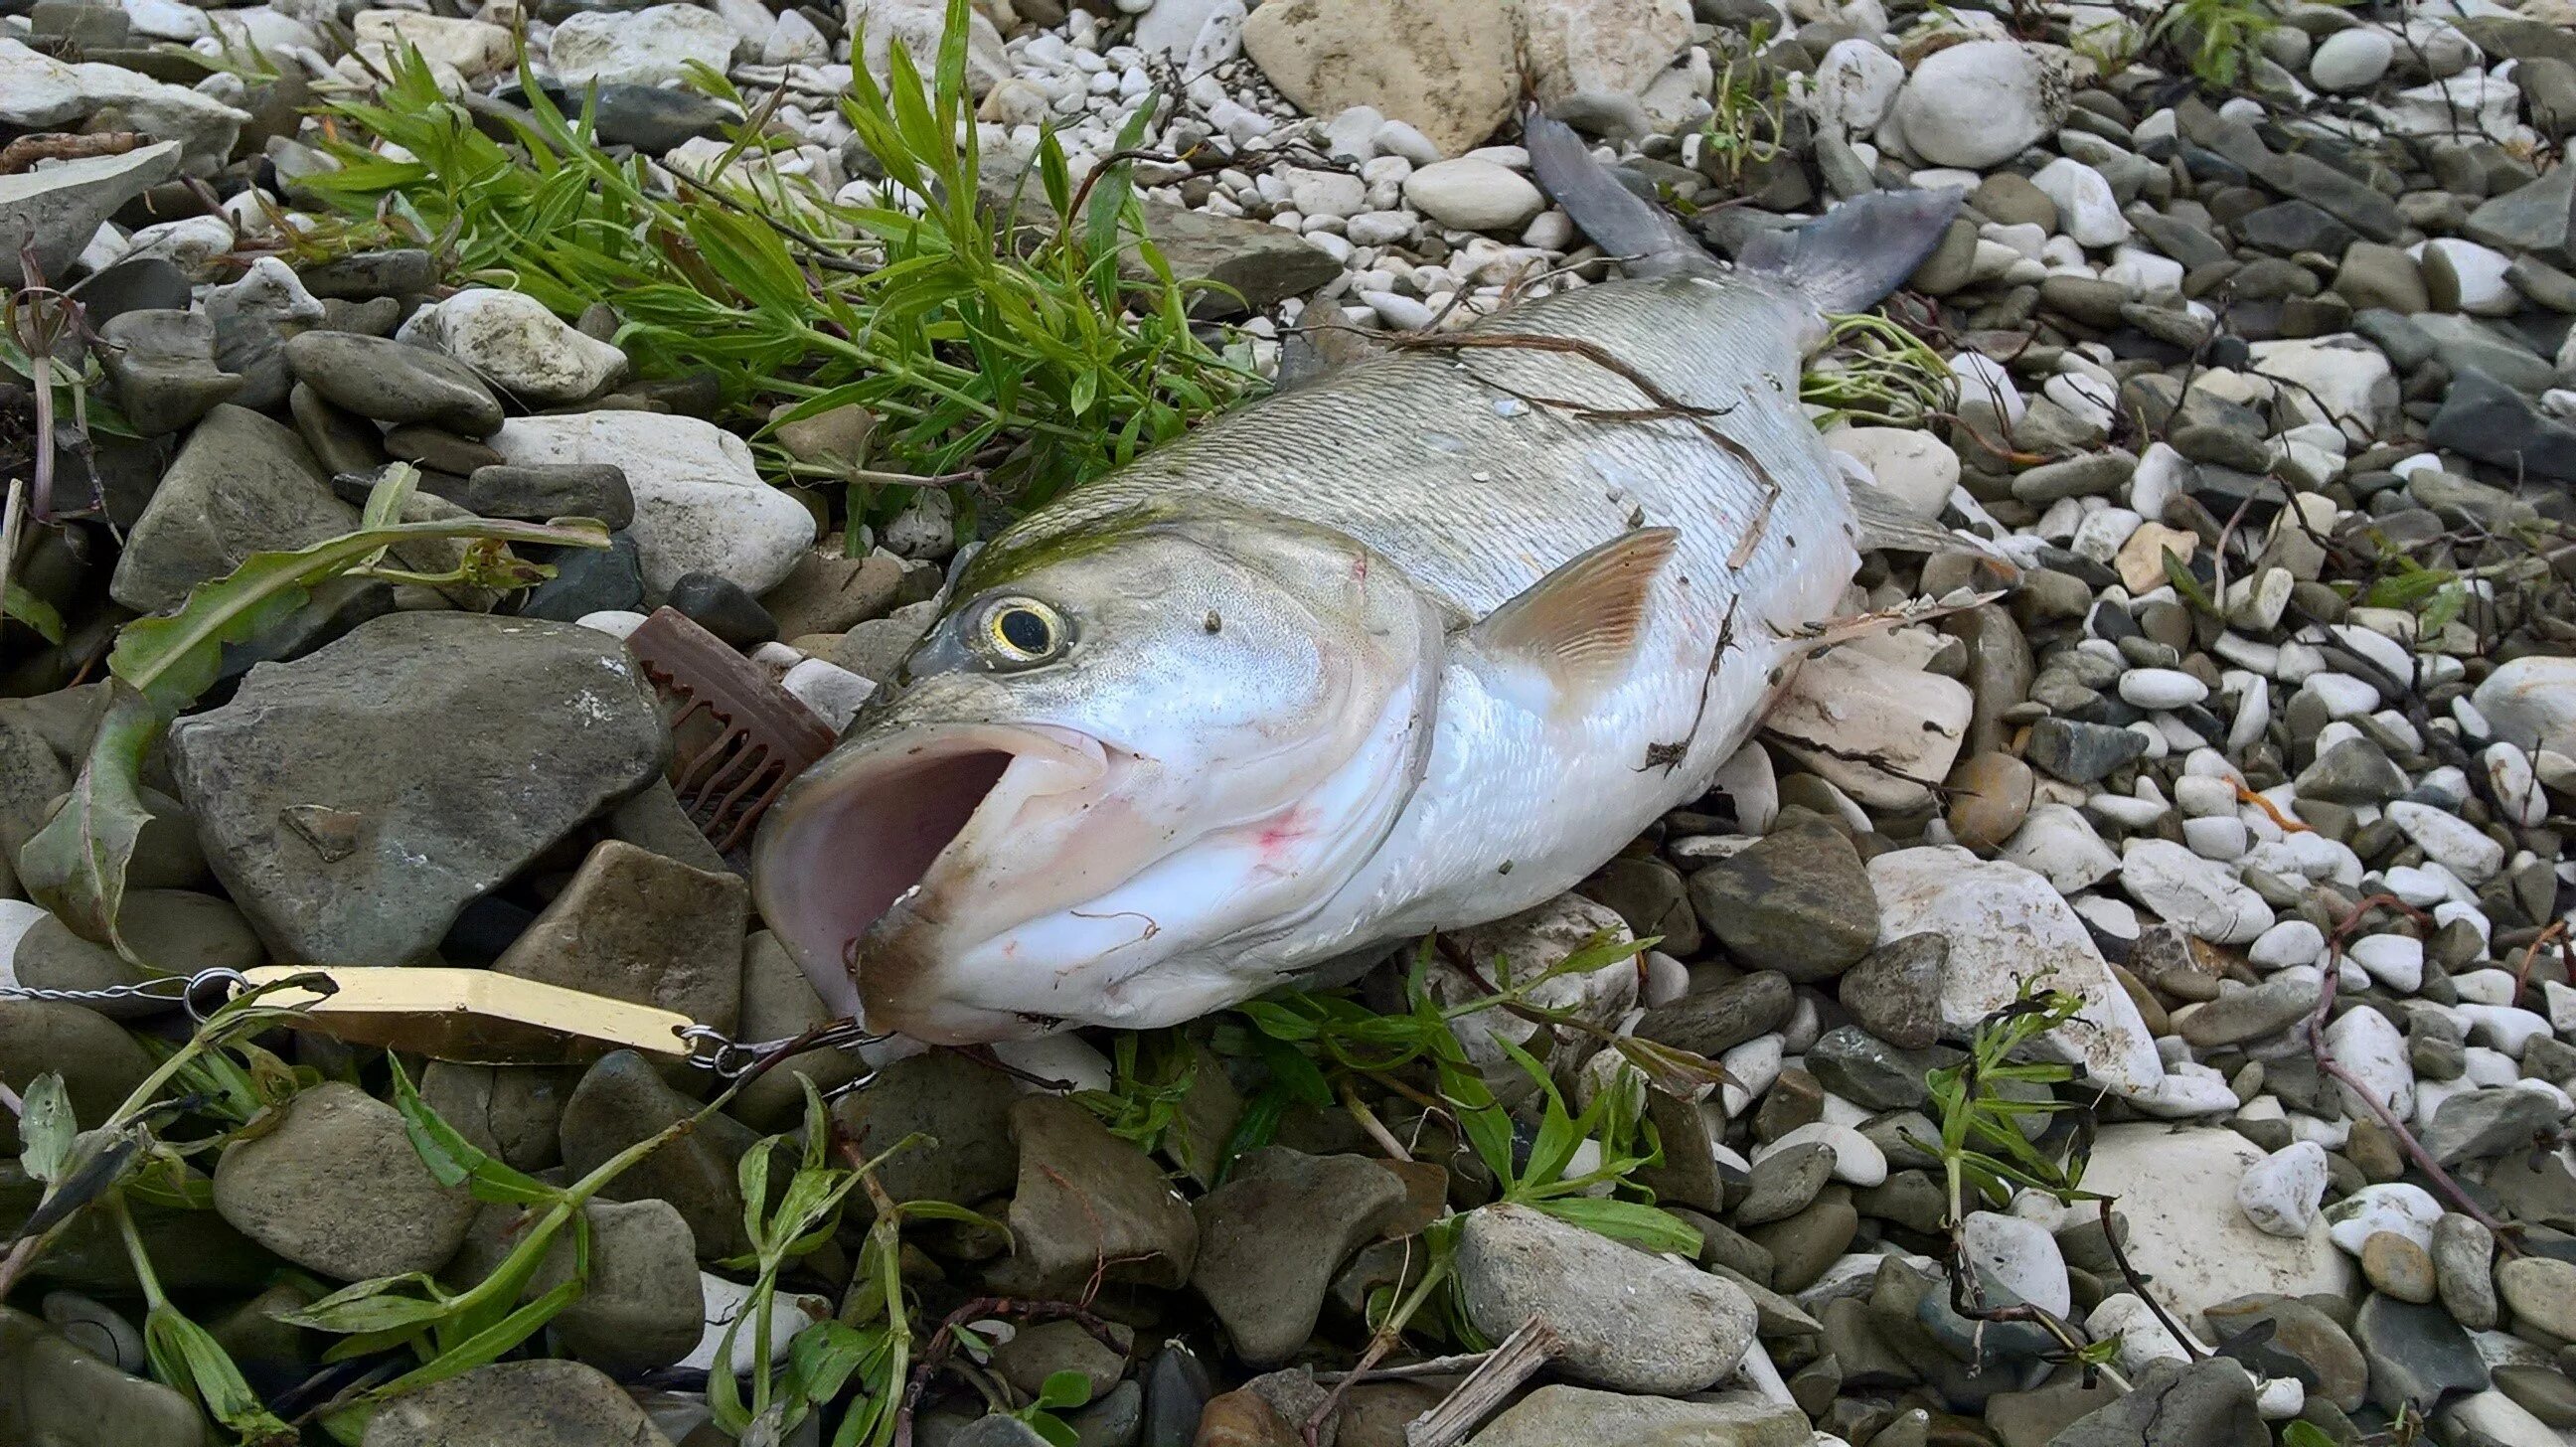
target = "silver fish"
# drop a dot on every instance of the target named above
(1413, 647)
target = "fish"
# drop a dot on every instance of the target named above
(1414, 646)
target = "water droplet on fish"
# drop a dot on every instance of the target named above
(1480, 476)
(1443, 442)
(1510, 407)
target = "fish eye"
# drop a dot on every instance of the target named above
(1023, 630)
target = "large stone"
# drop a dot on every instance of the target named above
(1980, 104)
(354, 800)
(2530, 702)
(621, 1100)
(2201, 897)
(2007, 926)
(2541, 1292)
(877, 26)
(642, 1305)
(393, 382)
(2490, 421)
(163, 365)
(1796, 901)
(2187, 1235)
(2305, 1333)
(57, 209)
(1558, 1415)
(1895, 993)
(1597, 47)
(55, 1393)
(336, 1188)
(2538, 217)
(1272, 1236)
(651, 46)
(700, 503)
(1882, 734)
(962, 1110)
(516, 1404)
(2417, 1353)
(514, 1112)
(513, 342)
(633, 925)
(1449, 68)
(100, 1064)
(1255, 264)
(2206, 1403)
(1089, 1206)
(242, 485)
(1623, 1319)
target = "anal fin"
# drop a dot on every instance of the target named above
(1580, 624)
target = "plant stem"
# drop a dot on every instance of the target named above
(13, 519)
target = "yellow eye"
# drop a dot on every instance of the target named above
(1023, 630)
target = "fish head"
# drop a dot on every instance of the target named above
(1125, 754)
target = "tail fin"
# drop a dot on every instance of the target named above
(1858, 252)
(1621, 222)
(1844, 261)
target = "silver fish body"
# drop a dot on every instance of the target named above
(1415, 646)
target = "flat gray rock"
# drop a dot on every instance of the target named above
(241, 485)
(354, 800)
(1625, 1319)
(59, 208)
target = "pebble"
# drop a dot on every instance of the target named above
(1471, 194)
(2280, 1193)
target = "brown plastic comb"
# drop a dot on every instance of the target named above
(762, 736)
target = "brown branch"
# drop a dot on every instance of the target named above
(943, 1343)
(26, 151)
(2138, 1283)
(2352, 1085)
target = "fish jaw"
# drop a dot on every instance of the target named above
(854, 842)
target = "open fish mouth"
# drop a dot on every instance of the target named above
(877, 841)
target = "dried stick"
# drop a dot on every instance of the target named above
(26, 151)
(1502, 1372)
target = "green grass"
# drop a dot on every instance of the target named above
(2216, 40)
(1035, 356)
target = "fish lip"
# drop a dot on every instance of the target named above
(796, 879)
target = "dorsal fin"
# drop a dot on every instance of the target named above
(1581, 623)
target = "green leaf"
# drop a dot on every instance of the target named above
(821, 1357)
(2446, 606)
(1057, 1433)
(46, 1126)
(33, 611)
(454, 1160)
(171, 658)
(2179, 574)
(2300, 1433)
(1277, 1021)
(1063, 1389)
(371, 1306)
(75, 865)
(188, 1357)
(1631, 1221)
(1295, 1073)
(482, 1348)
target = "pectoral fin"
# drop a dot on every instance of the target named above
(1580, 624)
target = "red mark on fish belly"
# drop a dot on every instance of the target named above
(1271, 846)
